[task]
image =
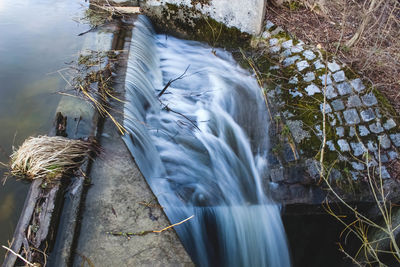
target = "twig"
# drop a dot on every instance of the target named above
(173, 80)
(19, 256)
(129, 234)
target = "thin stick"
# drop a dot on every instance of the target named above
(175, 224)
(19, 256)
(171, 81)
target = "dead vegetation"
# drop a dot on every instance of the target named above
(91, 79)
(48, 157)
(363, 34)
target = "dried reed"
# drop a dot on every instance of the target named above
(48, 157)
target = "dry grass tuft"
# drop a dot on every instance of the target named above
(48, 157)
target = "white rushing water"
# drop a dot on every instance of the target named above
(201, 146)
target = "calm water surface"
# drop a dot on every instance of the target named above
(37, 38)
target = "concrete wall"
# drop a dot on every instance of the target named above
(246, 15)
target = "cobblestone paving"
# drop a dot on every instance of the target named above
(361, 132)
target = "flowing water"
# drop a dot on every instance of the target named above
(37, 38)
(201, 146)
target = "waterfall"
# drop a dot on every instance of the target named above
(202, 146)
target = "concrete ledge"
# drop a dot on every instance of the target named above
(246, 15)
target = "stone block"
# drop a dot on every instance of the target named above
(312, 89)
(389, 124)
(297, 48)
(290, 60)
(273, 42)
(343, 145)
(358, 166)
(351, 116)
(367, 115)
(309, 77)
(288, 44)
(337, 105)
(308, 54)
(357, 85)
(376, 127)
(358, 148)
(325, 78)
(276, 175)
(330, 92)
(333, 66)
(328, 108)
(384, 141)
(395, 139)
(353, 101)
(344, 88)
(302, 65)
(369, 99)
(339, 76)
(246, 15)
(363, 130)
(340, 131)
(318, 65)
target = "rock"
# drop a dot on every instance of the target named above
(351, 116)
(389, 124)
(339, 76)
(358, 148)
(297, 131)
(337, 105)
(376, 127)
(288, 44)
(318, 65)
(369, 99)
(308, 54)
(367, 115)
(363, 130)
(276, 174)
(353, 101)
(330, 92)
(302, 65)
(343, 145)
(290, 61)
(309, 77)
(396, 139)
(384, 141)
(357, 85)
(340, 131)
(333, 66)
(344, 88)
(312, 89)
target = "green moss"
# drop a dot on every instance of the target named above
(188, 23)
(385, 105)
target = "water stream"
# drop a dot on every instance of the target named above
(201, 146)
